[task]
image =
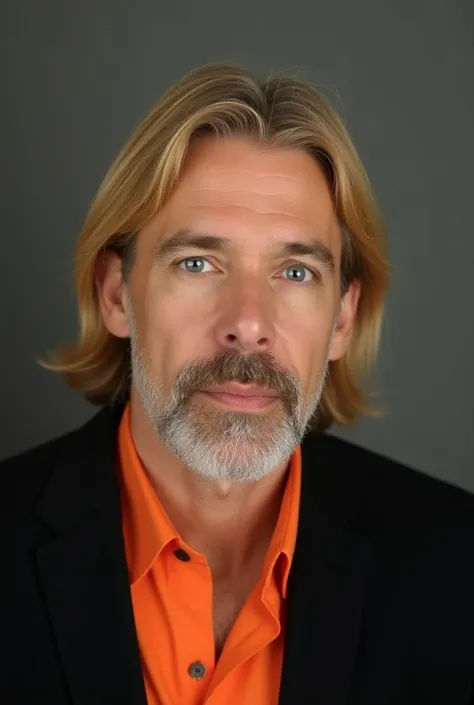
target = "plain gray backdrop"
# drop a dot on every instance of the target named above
(79, 76)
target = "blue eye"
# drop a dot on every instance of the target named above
(297, 272)
(196, 264)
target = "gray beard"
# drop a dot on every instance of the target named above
(222, 445)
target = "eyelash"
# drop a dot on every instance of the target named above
(317, 275)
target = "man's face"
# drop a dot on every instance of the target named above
(214, 298)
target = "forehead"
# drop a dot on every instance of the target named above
(239, 189)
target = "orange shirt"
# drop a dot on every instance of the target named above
(172, 601)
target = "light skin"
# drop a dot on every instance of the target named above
(248, 298)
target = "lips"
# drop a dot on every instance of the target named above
(241, 390)
(245, 397)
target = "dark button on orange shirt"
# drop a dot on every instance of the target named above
(172, 601)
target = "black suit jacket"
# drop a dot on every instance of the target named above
(381, 591)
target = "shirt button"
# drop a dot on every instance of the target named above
(197, 670)
(181, 554)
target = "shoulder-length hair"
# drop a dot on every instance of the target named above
(280, 111)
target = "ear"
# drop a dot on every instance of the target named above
(344, 328)
(111, 292)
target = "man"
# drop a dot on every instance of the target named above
(202, 540)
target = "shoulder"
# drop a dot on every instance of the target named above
(417, 526)
(24, 476)
(384, 487)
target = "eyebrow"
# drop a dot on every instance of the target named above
(187, 238)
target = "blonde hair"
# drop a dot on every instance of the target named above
(226, 100)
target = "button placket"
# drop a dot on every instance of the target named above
(197, 573)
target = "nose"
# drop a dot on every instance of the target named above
(246, 320)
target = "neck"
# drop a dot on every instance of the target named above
(231, 524)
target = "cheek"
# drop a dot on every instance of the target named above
(174, 330)
(310, 312)
(306, 335)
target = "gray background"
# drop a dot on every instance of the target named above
(78, 77)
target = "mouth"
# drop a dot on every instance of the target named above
(241, 396)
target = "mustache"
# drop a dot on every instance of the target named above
(258, 369)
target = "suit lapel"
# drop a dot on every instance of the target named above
(84, 574)
(326, 587)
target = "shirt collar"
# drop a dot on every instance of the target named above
(282, 544)
(147, 528)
